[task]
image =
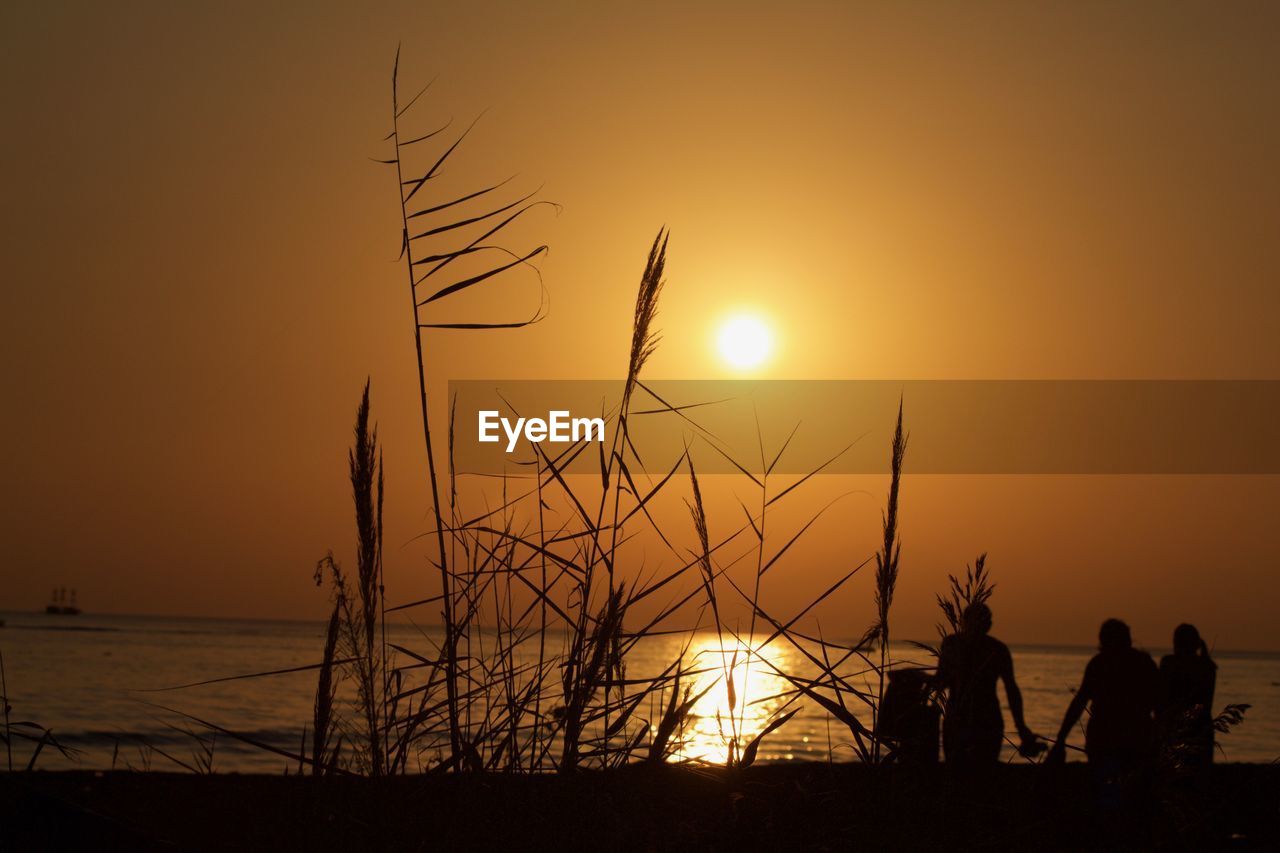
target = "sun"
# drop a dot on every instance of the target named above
(745, 341)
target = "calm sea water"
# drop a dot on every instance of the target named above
(86, 678)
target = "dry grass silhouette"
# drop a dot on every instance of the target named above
(538, 608)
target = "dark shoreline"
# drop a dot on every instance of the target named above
(772, 806)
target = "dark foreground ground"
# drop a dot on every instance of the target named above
(791, 807)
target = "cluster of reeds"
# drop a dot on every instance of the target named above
(357, 625)
(543, 595)
(537, 595)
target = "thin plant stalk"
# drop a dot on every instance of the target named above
(887, 575)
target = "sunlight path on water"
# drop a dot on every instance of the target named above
(742, 694)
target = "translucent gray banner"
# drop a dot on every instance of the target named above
(956, 427)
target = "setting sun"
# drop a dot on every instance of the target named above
(745, 341)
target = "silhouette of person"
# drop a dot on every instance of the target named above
(969, 665)
(1121, 686)
(1187, 681)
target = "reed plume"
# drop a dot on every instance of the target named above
(977, 588)
(644, 338)
(887, 572)
(322, 718)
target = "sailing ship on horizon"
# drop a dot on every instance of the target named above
(60, 605)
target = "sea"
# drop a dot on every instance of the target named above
(110, 689)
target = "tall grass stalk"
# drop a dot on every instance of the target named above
(887, 572)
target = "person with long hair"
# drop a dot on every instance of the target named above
(1187, 680)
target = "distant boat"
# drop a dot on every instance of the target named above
(59, 605)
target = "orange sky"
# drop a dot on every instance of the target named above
(200, 269)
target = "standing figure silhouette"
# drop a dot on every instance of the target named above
(1187, 681)
(1121, 686)
(969, 665)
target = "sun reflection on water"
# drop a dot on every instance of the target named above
(743, 693)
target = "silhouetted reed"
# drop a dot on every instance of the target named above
(356, 618)
(322, 753)
(887, 571)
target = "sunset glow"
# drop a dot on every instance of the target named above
(746, 426)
